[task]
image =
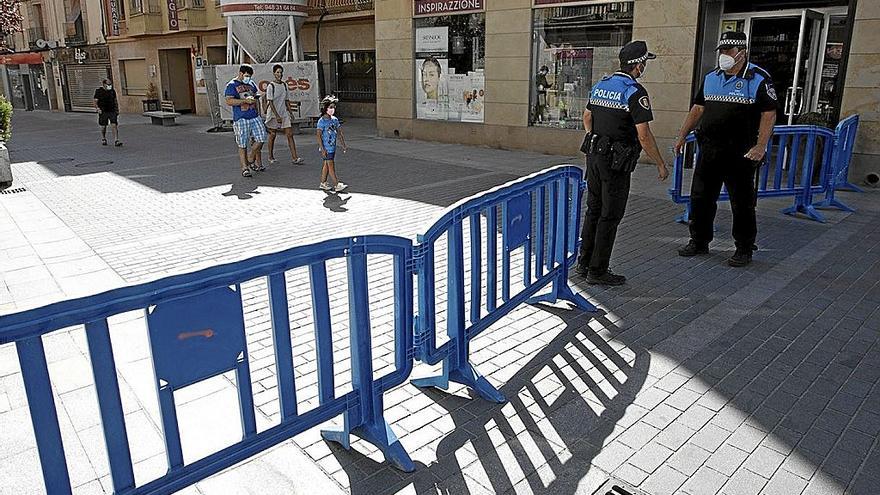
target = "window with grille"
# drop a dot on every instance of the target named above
(355, 75)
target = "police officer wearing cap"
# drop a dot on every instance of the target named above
(617, 123)
(736, 110)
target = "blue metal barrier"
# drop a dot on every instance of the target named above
(838, 172)
(539, 214)
(789, 169)
(196, 331)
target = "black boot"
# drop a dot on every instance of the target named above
(606, 278)
(741, 257)
(693, 248)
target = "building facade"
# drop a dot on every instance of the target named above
(55, 57)
(158, 48)
(469, 71)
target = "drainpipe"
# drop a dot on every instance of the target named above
(321, 85)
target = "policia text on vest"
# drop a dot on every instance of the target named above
(616, 120)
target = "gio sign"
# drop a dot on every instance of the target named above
(173, 19)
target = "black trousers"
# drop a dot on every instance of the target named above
(607, 193)
(717, 166)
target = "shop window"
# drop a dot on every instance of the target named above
(572, 49)
(449, 63)
(355, 75)
(134, 77)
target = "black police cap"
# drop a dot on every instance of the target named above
(730, 39)
(635, 52)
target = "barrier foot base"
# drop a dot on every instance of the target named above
(561, 290)
(849, 186)
(835, 203)
(379, 435)
(467, 376)
(566, 294)
(808, 210)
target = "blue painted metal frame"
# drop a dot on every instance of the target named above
(838, 174)
(783, 154)
(196, 328)
(361, 408)
(564, 187)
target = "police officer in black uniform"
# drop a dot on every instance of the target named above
(736, 111)
(616, 120)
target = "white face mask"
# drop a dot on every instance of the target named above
(642, 72)
(726, 62)
(246, 80)
(331, 111)
(109, 87)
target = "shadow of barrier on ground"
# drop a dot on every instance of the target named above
(801, 161)
(196, 329)
(550, 440)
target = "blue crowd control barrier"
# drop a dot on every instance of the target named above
(838, 173)
(789, 168)
(196, 331)
(539, 218)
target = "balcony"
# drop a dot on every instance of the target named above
(144, 24)
(318, 7)
(193, 17)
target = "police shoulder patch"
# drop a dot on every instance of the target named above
(771, 92)
(645, 103)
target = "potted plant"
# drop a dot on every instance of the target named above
(5, 135)
(151, 103)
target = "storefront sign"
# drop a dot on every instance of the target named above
(90, 54)
(21, 58)
(173, 20)
(439, 7)
(273, 7)
(114, 17)
(301, 79)
(432, 39)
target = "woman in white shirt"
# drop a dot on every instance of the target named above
(278, 115)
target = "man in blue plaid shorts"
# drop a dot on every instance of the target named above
(241, 94)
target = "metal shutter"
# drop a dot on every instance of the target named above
(82, 81)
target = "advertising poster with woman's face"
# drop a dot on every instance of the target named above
(431, 92)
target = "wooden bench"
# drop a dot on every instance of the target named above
(166, 114)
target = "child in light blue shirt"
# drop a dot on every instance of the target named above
(328, 130)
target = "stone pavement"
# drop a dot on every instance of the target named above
(694, 378)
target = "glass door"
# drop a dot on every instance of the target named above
(799, 97)
(788, 45)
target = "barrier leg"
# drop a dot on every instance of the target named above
(808, 210)
(831, 201)
(364, 416)
(849, 186)
(378, 432)
(561, 290)
(466, 375)
(835, 203)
